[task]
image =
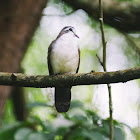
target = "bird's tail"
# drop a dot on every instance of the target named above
(62, 99)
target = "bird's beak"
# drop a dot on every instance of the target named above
(76, 35)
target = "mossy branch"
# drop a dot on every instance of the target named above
(92, 78)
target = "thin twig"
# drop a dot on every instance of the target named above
(103, 36)
(100, 60)
(111, 113)
(104, 67)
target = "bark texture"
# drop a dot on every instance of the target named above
(18, 21)
(92, 78)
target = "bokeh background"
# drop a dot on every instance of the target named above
(86, 100)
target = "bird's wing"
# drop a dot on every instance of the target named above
(48, 58)
(79, 61)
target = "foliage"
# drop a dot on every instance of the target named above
(79, 123)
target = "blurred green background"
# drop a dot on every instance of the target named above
(89, 112)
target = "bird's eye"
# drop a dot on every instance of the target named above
(70, 29)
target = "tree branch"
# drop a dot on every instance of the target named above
(42, 81)
(124, 16)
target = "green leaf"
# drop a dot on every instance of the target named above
(94, 116)
(7, 132)
(22, 134)
(37, 136)
(79, 119)
(76, 104)
(77, 133)
(93, 135)
(36, 104)
(118, 131)
(118, 134)
(123, 124)
(105, 127)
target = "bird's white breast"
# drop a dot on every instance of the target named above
(64, 55)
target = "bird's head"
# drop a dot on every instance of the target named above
(68, 29)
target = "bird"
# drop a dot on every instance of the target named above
(64, 58)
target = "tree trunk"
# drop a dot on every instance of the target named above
(18, 21)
